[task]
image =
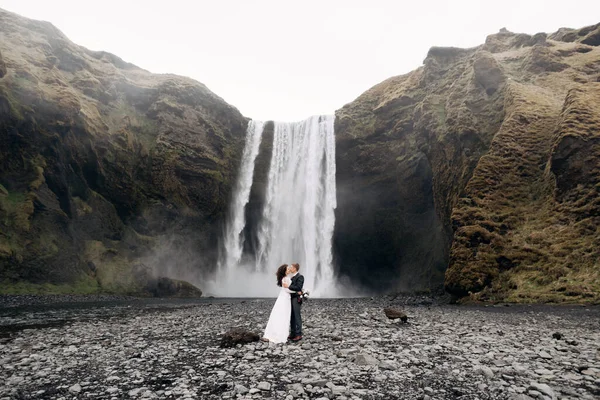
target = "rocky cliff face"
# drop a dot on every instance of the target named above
(478, 172)
(106, 170)
(485, 161)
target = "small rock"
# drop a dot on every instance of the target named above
(545, 355)
(76, 388)
(135, 392)
(365, 359)
(557, 335)
(542, 388)
(487, 371)
(520, 397)
(264, 386)
(298, 388)
(591, 372)
(543, 371)
(241, 389)
(338, 390)
(387, 365)
(25, 361)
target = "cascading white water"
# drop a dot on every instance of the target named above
(298, 216)
(234, 240)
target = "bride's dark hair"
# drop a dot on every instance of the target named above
(281, 273)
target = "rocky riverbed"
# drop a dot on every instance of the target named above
(350, 351)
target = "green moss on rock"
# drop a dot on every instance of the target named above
(100, 160)
(508, 132)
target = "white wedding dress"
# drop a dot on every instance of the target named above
(278, 326)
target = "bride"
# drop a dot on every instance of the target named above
(278, 326)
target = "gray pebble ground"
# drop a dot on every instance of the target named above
(350, 351)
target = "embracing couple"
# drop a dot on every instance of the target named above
(285, 322)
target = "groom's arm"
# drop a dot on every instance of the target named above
(297, 285)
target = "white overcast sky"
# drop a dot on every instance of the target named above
(284, 60)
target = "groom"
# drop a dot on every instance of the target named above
(296, 287)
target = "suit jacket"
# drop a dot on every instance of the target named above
(296, 285)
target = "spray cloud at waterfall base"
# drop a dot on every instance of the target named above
(297, 220)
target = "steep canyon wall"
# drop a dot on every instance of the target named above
(478, 171)
(107, 172)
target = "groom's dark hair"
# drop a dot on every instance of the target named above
(297, 266)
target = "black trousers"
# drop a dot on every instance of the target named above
(296, 318)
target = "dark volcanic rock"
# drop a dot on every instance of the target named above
(484, 161)
(109, 174)
(2, 67)
(166, 287)
(397, 182)
(167, 349)
(238, 336)
(589, 35)
(393, 313)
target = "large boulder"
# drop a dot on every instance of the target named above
(394, 313)
(166, 287)
(237, 336)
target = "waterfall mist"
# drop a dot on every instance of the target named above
(297, 220)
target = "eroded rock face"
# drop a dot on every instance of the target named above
(107, 170)
(477, 172)
(397, 181)
(483, 161)
(2, 67)
(589, 35)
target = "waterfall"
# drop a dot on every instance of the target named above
(233, 240)
(298, 217)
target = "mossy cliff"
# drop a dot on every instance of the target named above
(479, 172)
(109, 175)
(483, 163)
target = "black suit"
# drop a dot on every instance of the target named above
(296, 317)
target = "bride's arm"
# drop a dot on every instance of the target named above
(287, 280)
